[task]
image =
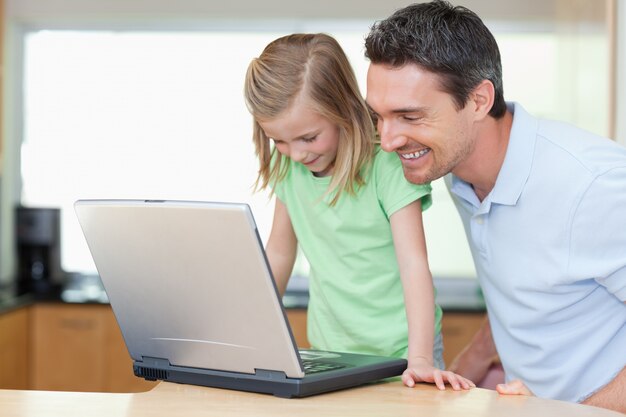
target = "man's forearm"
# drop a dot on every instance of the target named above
(474, 361)
(612, 395)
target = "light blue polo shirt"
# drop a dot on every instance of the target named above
(549, 244)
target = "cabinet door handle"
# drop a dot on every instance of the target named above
(77, 324)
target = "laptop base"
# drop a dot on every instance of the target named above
(272, 382)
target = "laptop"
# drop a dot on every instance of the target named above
(196, 302)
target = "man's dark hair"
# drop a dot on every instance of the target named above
(451, 42)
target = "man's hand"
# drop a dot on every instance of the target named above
(515, 387)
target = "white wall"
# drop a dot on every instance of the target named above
(128, 10)
(620, 128)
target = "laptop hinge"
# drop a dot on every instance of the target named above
(273, 375)
(155, 362)
(152, 368)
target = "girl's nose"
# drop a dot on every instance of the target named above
(298, 155)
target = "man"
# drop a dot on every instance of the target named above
(543, 204)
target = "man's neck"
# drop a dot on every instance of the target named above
(482, 167)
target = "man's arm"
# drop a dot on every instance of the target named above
(475, 359)
(612, 395)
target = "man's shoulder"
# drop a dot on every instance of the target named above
(560, 141)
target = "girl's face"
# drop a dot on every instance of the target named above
(301, 134)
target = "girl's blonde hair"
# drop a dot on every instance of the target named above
(315, 65)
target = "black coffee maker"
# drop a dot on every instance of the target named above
(38, 249)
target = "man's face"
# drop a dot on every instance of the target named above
(418, 121)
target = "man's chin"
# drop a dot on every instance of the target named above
(416, 177)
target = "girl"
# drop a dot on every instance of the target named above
(348, 206)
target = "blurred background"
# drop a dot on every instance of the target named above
(143, 99)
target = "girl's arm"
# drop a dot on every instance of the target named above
(281, 247)
(419, 299)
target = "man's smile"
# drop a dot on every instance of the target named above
(414, 155)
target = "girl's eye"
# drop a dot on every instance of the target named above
(308, 140)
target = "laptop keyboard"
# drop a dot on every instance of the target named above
(315, 366)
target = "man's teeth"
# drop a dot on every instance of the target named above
(415, 155)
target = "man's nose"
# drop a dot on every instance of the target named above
(390, 140)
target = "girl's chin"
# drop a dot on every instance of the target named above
(321, 172)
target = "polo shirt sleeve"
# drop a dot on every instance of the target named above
(598, 232)
(394, 191)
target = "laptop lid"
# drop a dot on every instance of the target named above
(189, 282)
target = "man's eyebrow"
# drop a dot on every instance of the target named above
(420, 110)
(417, 110)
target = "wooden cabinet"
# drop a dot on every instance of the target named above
(457, 329)
(68, 347)
(297, 321)
(119, 376)
(80, 348)
(75, 347)
(14, 349)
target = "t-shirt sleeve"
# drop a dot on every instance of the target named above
(394, 191)
(279, 190)
(598, 233)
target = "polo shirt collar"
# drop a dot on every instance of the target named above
(515, 169)
(518, 160)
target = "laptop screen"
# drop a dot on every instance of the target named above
(189, 282)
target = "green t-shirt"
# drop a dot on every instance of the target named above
(356, 299)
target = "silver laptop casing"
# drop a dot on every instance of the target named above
(138, 248)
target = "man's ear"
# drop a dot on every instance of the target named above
(481, 99)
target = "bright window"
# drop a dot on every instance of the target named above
(161, 115)
(137, 115)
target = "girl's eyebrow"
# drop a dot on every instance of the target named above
(309, 135)
(306, 135)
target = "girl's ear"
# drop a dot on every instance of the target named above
(482, 98)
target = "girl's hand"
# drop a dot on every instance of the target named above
(421, 370)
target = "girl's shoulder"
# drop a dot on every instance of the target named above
(385, 161)
(387, 167)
